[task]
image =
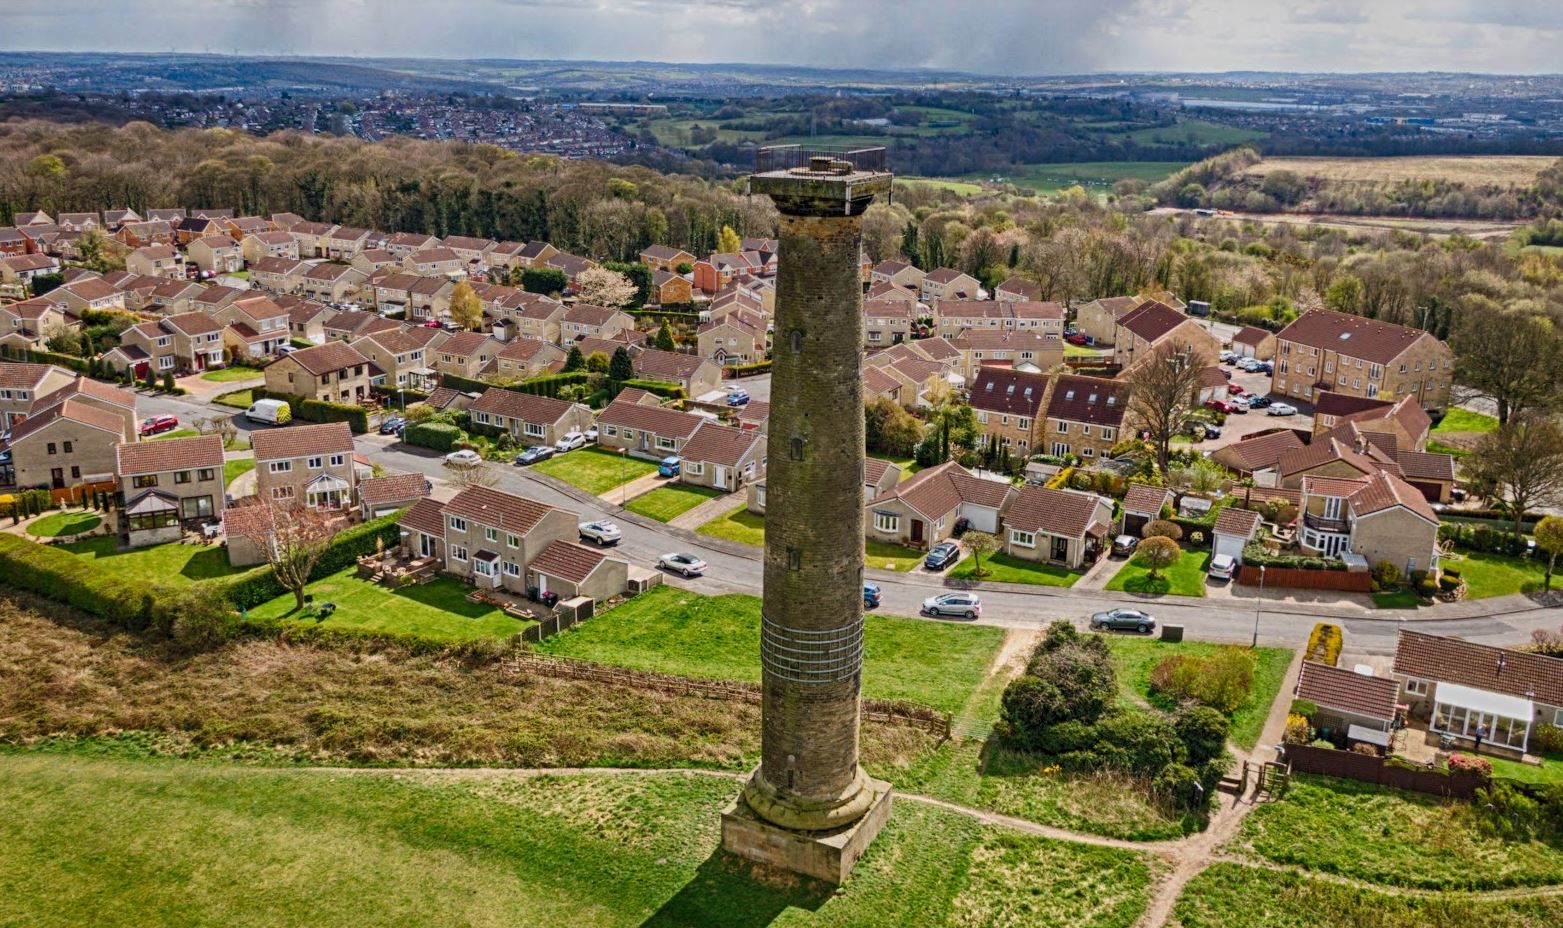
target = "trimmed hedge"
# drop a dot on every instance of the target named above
(257, 586)
(1481, 537)
(440, 436)
(744, 370)
(546, 385)
(305, 409)
(57, 574)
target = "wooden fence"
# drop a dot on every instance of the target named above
(874, 710)
(1350, 581)
(1350, 766)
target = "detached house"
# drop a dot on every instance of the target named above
(114, 218)
(23, 384)
(1378, 517)
(174, 344)
(278, 275)
(439, 261)
(259, 245)
(736, 338)
(643, 429)
(473, 252)
(88, 293)
(715, 273)
(1063, 527)
(1152, 327)
(695, 374)
(665, 258)
(670, 289)
(331, 283)
(922, 511)
(334, 372)
(23, 268)
(311, 238)
(31, 322)
(525, 358)
(896, 272)
(1460, 687)
(257, 327)
(1031, 352)
(465, 354)
(945, 283)
(64, 445)
(486, 536)
(584, 320)
(723, 458)
(530, 420)
(306, 319)
(216, 254)
(84, 389)
(155, 261)
(1323, 350)
(166, 486)
(307, 464)
(343, 242)
(402, 356)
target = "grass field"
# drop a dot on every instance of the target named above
(238, 399)
(669, 630)
(743, 526)
(594, 470)
(1001, 568)
(1197, 131)
(231, 374)
(165, 563)
(1135, 658)
(69, 522)
(1489, 575)
(1477, 170)
(1051, 178)
(1437, 447)
(1459, 419)
(435, 611)
(667, 503)
(1186, 577)
(236, 467)
(958, 187)
(1228, 895)
(138, 843)
(1393, 837)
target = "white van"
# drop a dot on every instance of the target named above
(271, 412)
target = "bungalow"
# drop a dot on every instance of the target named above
(69, 443)
(922, 511)
(1234, 529)
(331, 283)
(167, 486)
(1346, 698)
(530, 419)
(666, 258)
(257, 327)
(486, 536)
(584, 320)
(644, 430)
(259, 245)
(525, 358)
(695, 374)
(1064, 527)
(670, 289)
(23, 268)
(155, 261)
(723, 458)
(465, 354)
(1141, 504)
(334, 372)
(215, 254)
(309, 464)
(1460, 687)
(402, 356)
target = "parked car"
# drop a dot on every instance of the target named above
(737, 396)
(1221, 567)
(392, 425)
(1199, 429)
(1255, 401)
(964, 605)
(685, 564)
(1236, 389)
(1251, 365)
(871, 595)
(942, 555)
(569, 441)
(432, 324)
(465, 457)
(1283, 409)
(156, 425)
(1220, 406)
(1077, 339)
(600, 532)
(591, 434)
(1228, 356)
(1124, 545)
(1241, 402)
(1123, 620)
(670, 466)
(534, 454)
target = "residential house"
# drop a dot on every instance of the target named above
(114, 218)
(1030, 351)
(485, 535)
(1085, 416)
(695, 374)
(1234, 530)
(334, 372)
(895, 292)
(30, 323)
(584, 320)
(1143, 503)
(1098, 319)
(670, 289)
(306, 319)
(402, 244)
(723, 458)
(445, 399)
(1345, 698)
(172, 297)
(1009, 406)
(530, 420)
(245, 226)
(536, 316)
(278, 275)
(78, 222)
(175, 344)
(259, 245)
(151, 232)
(1404, 419)
(568, 570)
(715, 273)
(571, 265)
(952, 317)
(308, 464)
(311, 238)
(755, 414)
(944, 283)
(106, 397)
(402, 356)
(371, 260)
(1325, 350)
(34, 218)
(216, 254)
(343, 242)
(465, 354)
(381, 496)
(525, 358)
(155, 261)
(922, 510)
(878, 385)
(172, 214)
(736, 338)
(642, 429)
(167, 486)
(22, 384)
(1379, 518)
(331, 283)
(192, 228)
(429, 298)
(1018, 290)
(12, 241)
(21, 269)
(1155, 327)
(88, 293)
(1460, 687)
(1063, 527)
(665, 258)
(257, 327)
(1252, 342)
(64, 445)
(439, 261)
(347, 325)
(535, 255)
(897, 273)
(1258, 457)
(887, 322)
(879, 477)
(212, 213)
(1333, 456)
(473, 252)
(215, 297)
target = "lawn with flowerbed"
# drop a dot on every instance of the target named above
(669, 630)
(594, 470)
(1186, 577)
(68, 522)
(667, 503)
(232, 374)
(172, 563)
(434, 611)
(1002, 568)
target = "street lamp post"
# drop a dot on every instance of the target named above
(1258, 603)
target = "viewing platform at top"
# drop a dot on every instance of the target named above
(820, 181)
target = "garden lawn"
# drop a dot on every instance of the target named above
(435, 611)
(238, 399)
(740, 525)
(908, 465)
(235, 468)
(115, 843)
(667, 503)
(1550, 770)
(176, 433)
(67, 522)
(1396, 599)
(594, 470)
(1002, 568)
(886, 556)
(1398, 838)
(1459, 419)
(1228, 895)
(231, 374)
(1186, 577)
(1498, 574)
(174, 563)
(1135, 658)
(669, 630)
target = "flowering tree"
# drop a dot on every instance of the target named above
(603, 287)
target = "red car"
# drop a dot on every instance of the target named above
(1234, 389)
(1220, 406)
(432, 324)
(1077, 339)
(156, 424)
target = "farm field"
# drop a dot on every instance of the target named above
(1477, 170)
(1198, 131)
(1051, 178)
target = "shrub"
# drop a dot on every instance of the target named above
(1322, 744)
(1466, 763)
(662, 388)
(1386, 573)
(1508, 812)
(1177, 786)
(1221, 681)
(440, 436)
(57, 574)
(1257, 555)
(1427, 588)
(1305, 708)
(1141, 743)
(1069, 677)
(1203, 732)
(1324, 644)
(1162, 528)
(1547, 739)
(1365, 749)
(1298, 730)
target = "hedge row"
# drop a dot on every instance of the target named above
(440, 436)
(57, 574)
(45, 357)
(744, 370)
(546, 385)
(257, 586)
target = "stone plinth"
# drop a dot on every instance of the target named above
(824, 855)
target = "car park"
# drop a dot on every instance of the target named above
(465, 457)
(1124, 545)
(871, 595)
(569, 441)
(964, 605)
(534, 454)
(1222, 406)
(1228, 356)
(685, 564)
(1283, 409)
(600, 532)
(942, 555)
(156, 425)
(392, 425)
(1221, 567)
(1123, 620)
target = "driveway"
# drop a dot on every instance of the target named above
(1242, 425)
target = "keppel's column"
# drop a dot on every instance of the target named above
(812, 806)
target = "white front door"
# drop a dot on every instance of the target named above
(721, 477)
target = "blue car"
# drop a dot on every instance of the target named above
(871, 595)
(669, 466)
(943, 555)
(737, 396)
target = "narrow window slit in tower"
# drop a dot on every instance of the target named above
(795, 449)
(794, 559)
(797, 341)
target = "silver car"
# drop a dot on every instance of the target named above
(964, 605)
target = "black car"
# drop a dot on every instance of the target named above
(943, 555)
(1258, 402)
(1124, 620)
(534, 454)
(393, 425)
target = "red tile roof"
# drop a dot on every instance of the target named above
(567, 561)
(1146, 499)
(1241, 523)
(668, 423)
(1251, 335)
(497, 509)
(720, 444)
(1151, 320)
(1383, 491)
(1008, 392)
(297, 441)
(1069, 513)
(151, 457)
(426, 516)
(323, 359)
(1092, 400)
(1466, 663)
(1334, 688)
(74, 410)
(393, 488)
(540, 410)
(1354, 336)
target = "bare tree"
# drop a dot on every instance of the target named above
(1523, 461)
(479, 475)
(295, 538)
(1164, 389)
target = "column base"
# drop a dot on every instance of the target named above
(823, 855)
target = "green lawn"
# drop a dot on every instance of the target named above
(667, 503)
(1051, 178)
(1437, 447)
(238, 399)
(1549, 771)
(886, 556)
(1135, 658)
(746, 527)
(67, 522)
(1186, 577)
(438, 611)
(1396, 599)
(176, 433)
(231, 374)
(594, 470)
(908, 465)
(233, 468)
(1002, 568)
(175, 562)
(675, 631)
(1459, 419)
(1398, 838)
(1498, 574)
(151, 844)
(1072, 350)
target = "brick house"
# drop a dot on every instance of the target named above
(1084, 416)
(151, 232)
(1153, 327)
(166, 486)
(922, 510)
(530, 420)
(69, 443)
(257, 327)
(525, 358)
(1009, 406)
(665, 258)
(670, 289)
(215, 254)
(1325, 350)
(886, 322)
(642, 429)
(716, 272)
(723, 458)
(308, 464)
(155, 261)
(334, 372)
(1063, 527)
(1345, 697)
(465, 354)
(695, 374)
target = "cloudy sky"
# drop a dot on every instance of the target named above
(991, 36)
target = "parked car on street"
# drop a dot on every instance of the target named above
(1124, 545)
(1222, 567)
(156, 425)
(871, 595)
(1123, 620)
(964, 605)
(534, 454)
(465, 457)
(670, 466)
(737, 396)
(569, 441)
(392, 425)
(601, 533)
(942, 555)
(1283, 409)
(686, 564)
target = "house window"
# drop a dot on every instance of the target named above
(181, 476)
(666, 444)
(279, 467)
(314, 462)
(483, 568)
(533, 430)
(695, 468)
(1416, 687)
(52, 449)
(166, 362)
(482, 417)
(1063, 428)
(458, 553)
(610, 430)
(197, 507)
(490, 534)
(1024, 423)
(281, 492)
(458, 524)
(1023, 539)
(336, 460)
(512, 569)
(68, 447)
(887, 522)
(513, 541)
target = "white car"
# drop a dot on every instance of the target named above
(686, 564)
(466, 457)
(1282, 409)
(570, 441)
(1250, 364)
(601, 533)
(1221, 567)
(591, 434)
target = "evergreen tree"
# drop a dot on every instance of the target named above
(620, 369)
(665, 337)
(576, 361)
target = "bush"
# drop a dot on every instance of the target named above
(1305, 708)
(1427, 588)
(1546, 739)
(1141, 743)
(1466, 763)
(1162, 528)
(1386, 574)
(1298, 730)
(1257, 555)
(662, 388)
(1324, 644)
(440, 436)
(1203, 732)
(744, 370)
(1177, 786)
(57, 574)
(1221, 681)
(1069, 677)
(1364, 749)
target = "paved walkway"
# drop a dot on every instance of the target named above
(712, 508)
(1100, 574)
(640, 486)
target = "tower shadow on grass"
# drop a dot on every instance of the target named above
(729, 892)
